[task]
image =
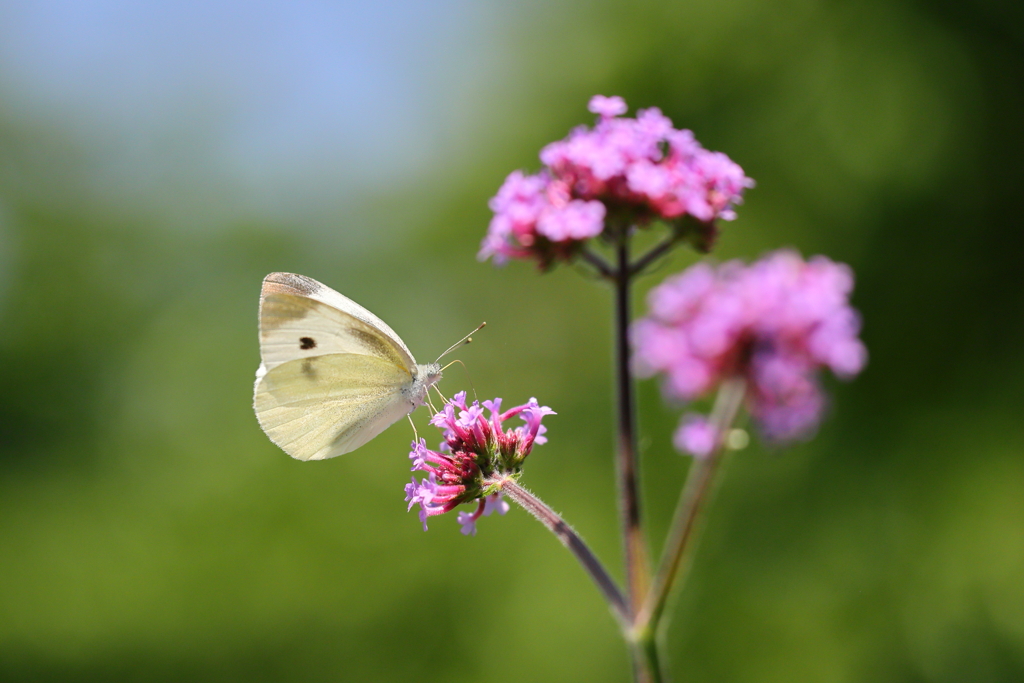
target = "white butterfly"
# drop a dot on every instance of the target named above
(333, 374)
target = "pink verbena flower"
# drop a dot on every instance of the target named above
(475, 449)
(696, 436)
(485, 507)
(637, 169)
(774, 323)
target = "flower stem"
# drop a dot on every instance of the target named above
(691, 503)
(571, 540)
(599, 264)
(654, 254)
(646, 658)
(627, 466)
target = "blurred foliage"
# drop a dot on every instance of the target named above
(150, 532)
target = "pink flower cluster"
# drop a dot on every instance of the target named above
(643, 167)
(774, 323)
(475, 448)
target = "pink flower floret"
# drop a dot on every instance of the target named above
(607, 107)
(696, 436)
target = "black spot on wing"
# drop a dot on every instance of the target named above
(306, 343)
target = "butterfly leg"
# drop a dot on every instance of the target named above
(415, 434)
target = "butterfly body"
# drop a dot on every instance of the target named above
(333, 375)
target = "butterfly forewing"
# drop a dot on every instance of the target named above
(301, 318)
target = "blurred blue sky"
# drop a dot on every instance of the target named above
(278, 105)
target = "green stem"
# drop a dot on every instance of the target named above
(571, 540)
(692, 502)
(646, 659)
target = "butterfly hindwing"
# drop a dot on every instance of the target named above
(323, 406)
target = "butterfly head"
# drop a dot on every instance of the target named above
(426, 376)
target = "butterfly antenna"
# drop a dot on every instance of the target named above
(468, 376)
(465, 340)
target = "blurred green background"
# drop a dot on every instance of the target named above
(157, 160)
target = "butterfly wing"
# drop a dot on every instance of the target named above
(333, 374)
(302, 318)
(320, 407)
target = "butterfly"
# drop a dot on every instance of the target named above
(333, 375)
